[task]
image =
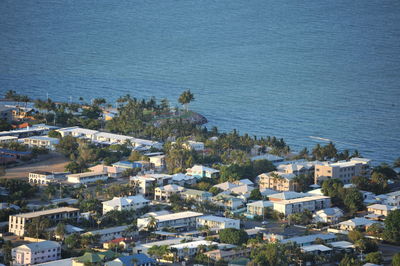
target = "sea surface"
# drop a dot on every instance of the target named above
(294, 69)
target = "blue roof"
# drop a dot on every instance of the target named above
(141, 259)
(124, 164)
(14, 152)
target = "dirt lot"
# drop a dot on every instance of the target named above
(52, 162)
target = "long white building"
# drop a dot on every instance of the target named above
(179, 221)
(217, 223)
(312, 203)
(125, 203)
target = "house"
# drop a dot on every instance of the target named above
(225, 186)
(328, 215)
(92, 258)
(217, 223)
(194, 145)
(356, 223)
(6, 113)
(227, 255)
(381, 209)
(110, 233)
(158, 161)
(41, 142)
(318, 249)
(308, 240)
(342, 170)
(125, 165)
(393, 198)
(40, 177)
(189, 249)
(36, 252)
(125, 203)
(182, 179)
(312, 203)
(132, 260)
(87, 177)
(122, 242)
(279, 181)
(180, 220)
(258, 208)
(270, 157)
(16, 154)
(38, 129)
(228, 202)
(200, 171)
(165, 192)
(194, 194)
(112, 171)
(17, 222)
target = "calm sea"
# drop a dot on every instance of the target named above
(293, 69)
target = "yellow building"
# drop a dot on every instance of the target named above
(278, 181)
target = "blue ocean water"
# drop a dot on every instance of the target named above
(292, 69)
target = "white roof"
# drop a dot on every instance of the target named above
(181, 177)
(288, 195)
(342, 244)
(225, 185)
(245, 182)
(311, 248)
(357, 222)
(108, 230)
(194, 244)
(87, 174)
(330, 211)
(39, 246)
(46, 212)
(269, 157)
(123, 201)
(382, 207)
(201, 168)
(178, 215)
(302, 199)
(7, 137)
(242, 189)
(172, 188)
(43, 138)
(261, 203)
(309, 238)
(217, 219)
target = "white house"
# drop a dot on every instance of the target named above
(217, 223)
(182, 179)
(328, 215)
(258, 208)
(125, 203)
(165, 192)
(194, 145)
(201, 171)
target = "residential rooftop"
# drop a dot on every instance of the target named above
(46, 212)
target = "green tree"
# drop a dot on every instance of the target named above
(350, 261)
(215, 190)
(396, 259)
(255, 194)
(374, 257)
(233, 236)
(6, 249)
(353, 200)
(391, 232)
(185, 98)
(60, 230)
(355, 236)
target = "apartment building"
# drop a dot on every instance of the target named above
(258, 208)
(217, 223)
(18, 222)
(312, 203)
(40, 177)
(278, 181)
(41, 142)
(298, 167)
(35, 253)
(108, 234)
(342, 170)
(125, 203)
(8, 139)
(180, 221)
(165, 192)
(87, 177)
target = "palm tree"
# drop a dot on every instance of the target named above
(151, 226)
(185, 98)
